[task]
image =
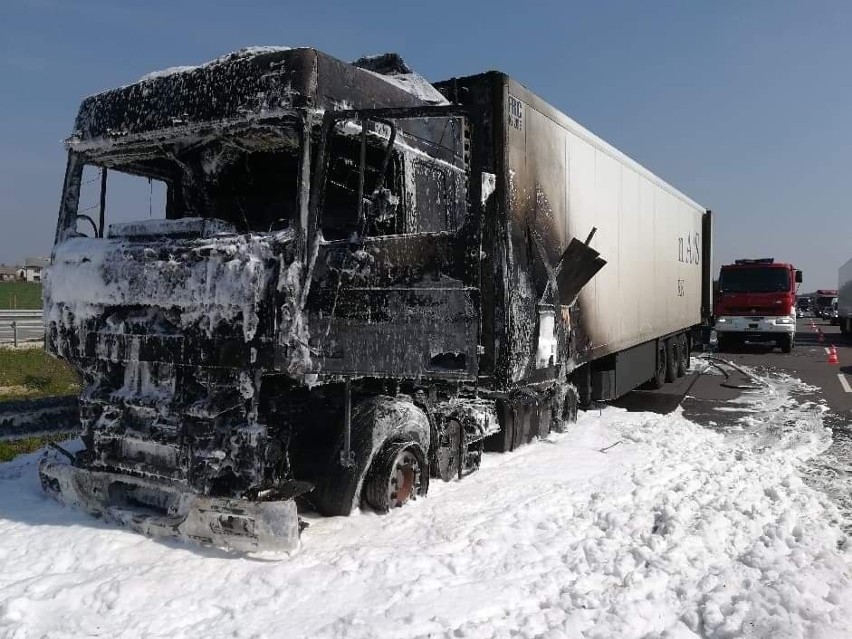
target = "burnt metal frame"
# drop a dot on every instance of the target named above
(330, 118)
(384, 116)
(78, 159)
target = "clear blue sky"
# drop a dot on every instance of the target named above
(746, 106)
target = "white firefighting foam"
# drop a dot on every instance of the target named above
(673, 531)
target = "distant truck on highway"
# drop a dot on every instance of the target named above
(359, 281)
(756, 301)
(844, 298)
(826, 304)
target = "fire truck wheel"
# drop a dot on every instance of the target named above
(672, 355)
(659, 377)
(786, 344)
(398, 474)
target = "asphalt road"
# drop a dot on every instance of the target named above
(809, 362)
(703, 398)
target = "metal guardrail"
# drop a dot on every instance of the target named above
(21, 325)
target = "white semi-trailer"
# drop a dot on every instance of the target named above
(844, 298)
(360, 281)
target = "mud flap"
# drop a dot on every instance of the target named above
(165, 510)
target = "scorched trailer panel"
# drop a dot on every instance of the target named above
(556, 182)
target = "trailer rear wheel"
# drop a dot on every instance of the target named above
(672, 355)
(682, 355)
(659, 377)
(399, 474)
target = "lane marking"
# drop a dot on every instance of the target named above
(844, 383)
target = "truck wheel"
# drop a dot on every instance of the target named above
(786, 344)
(376, 422)
(582, 380)
(672, 349)
(399, 474)
(659, 377)
(569, 408)
(683, 355)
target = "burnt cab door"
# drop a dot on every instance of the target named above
(393, 290)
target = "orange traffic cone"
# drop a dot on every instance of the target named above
(832, 355)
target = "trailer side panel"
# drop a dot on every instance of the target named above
(563, 183)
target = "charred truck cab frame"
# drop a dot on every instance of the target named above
(362, 282)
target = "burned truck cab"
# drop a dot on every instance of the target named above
(300, 318)
(296, 282)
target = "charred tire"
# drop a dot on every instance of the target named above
(582, 379)
(570, 407)
(659, 377)
(682, 355)
(399, 473)
(375, 422)
(672, 349)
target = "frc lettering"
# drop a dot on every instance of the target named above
(516, 113)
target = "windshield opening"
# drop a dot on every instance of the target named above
(754, 280)
(248, 179)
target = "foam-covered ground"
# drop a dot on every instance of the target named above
(675, 531)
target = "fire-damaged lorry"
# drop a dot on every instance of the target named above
(844, 298)
(756, 301)
(358, 281)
